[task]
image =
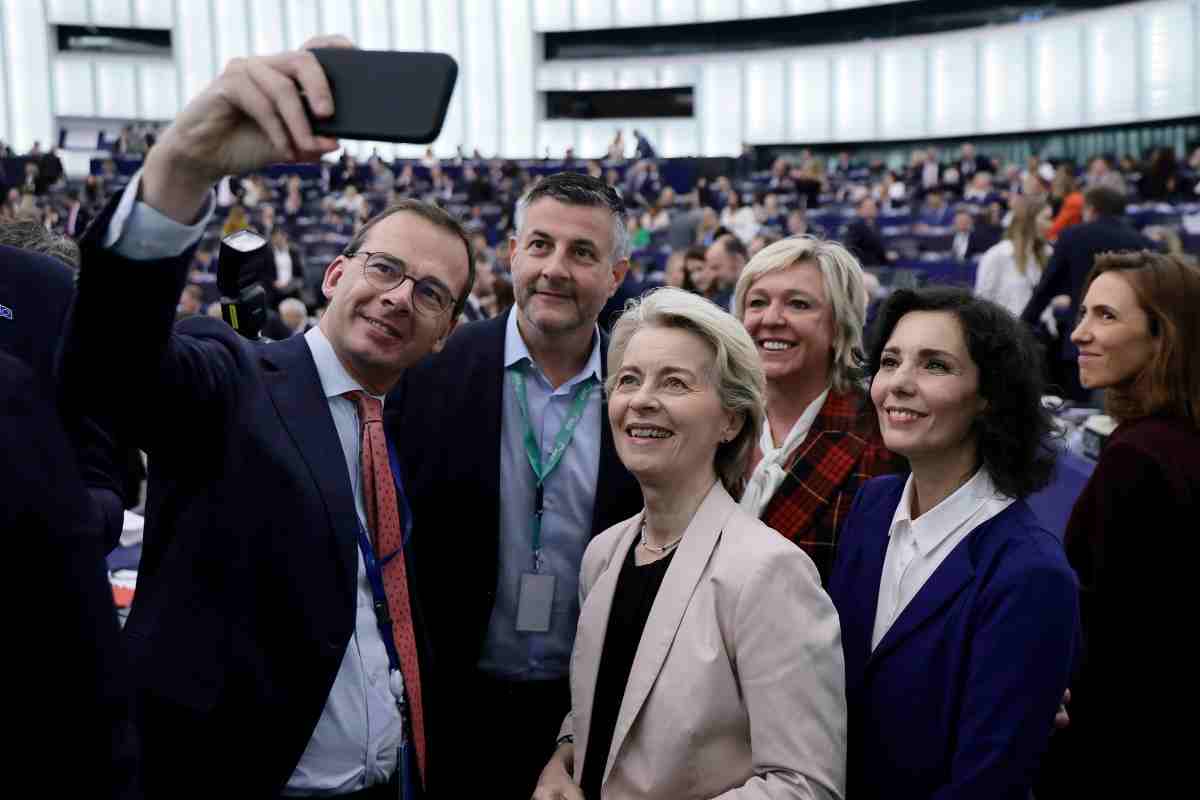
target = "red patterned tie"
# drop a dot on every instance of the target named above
(383, 517)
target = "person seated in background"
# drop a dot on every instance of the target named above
(797, 222)
(768, 212)
(289, 320)
(972, 236)
(701, 278)
(1066, 199)
(969, 163)
(1010, 270)
(658, 216)
(266, 219)
(739, 219)
(980, 189)
(765, 238)
(1101, 173)
(1137, 336)
(803, 300)
(191, 302)
(675, 273)
(862, 237)
(707, 660)
(959, 610)
(293, 201)
(351, 202)
(284, 274)
(726, 257)
(934, 212)
(477, 303)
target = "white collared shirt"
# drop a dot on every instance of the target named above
(283, 265)
(916, 548)
(357, 739)
(772, 469)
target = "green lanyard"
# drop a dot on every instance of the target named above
(534, 451)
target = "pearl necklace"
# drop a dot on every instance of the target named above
(666, 548)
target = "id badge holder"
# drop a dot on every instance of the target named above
(535, 601)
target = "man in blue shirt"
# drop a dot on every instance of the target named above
(508, 458)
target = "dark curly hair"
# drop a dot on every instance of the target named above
(1014, 431)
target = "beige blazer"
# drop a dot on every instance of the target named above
(737, 689)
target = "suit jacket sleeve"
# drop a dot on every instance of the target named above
(788, 653)
(1053, 283)
(121, 338)
(1030, 615)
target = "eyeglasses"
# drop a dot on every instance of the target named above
(384, 272)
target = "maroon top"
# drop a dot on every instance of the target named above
(1137, 617)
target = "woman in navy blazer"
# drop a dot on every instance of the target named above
(959, 611)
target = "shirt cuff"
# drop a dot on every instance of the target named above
(140, 233)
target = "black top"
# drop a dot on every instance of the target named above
(636, 589)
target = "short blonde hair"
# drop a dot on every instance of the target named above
(845, 288)
(738, 372)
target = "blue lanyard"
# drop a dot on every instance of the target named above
(374, 566)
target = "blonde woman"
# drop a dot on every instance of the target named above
(803, 301)
(708, 660)
(1010, 270)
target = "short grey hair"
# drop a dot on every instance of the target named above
(32, 236)
(845, 287)
(737, 370)
(577, 189)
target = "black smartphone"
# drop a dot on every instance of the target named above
(386, 95)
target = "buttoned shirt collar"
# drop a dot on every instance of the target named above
(516, 351)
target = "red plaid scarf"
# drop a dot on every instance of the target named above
(843, 448)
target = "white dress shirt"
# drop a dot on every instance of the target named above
(283, 265)
(356, 741)
(772, 469)
(961, 242)
(916, 548)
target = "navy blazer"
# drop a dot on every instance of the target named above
(70, 669)
(1073, 257)
(445, 415)
(246, 595)
(958, 700)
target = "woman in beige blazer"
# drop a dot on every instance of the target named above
(708, 660)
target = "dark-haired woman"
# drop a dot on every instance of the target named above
(1128, 537)
(958, 609)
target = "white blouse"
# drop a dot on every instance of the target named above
(998, 279)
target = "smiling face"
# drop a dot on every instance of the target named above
(375, 334)
(1113, 335)
(926, 392)
(788, 316)
(665, 410)
(562, 266)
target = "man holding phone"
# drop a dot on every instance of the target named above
(275, 647)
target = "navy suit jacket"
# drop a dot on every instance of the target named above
(246, 595)
(958, 700)
(38, 292)
(70, 670)
(445, 415)
(1074, 255)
